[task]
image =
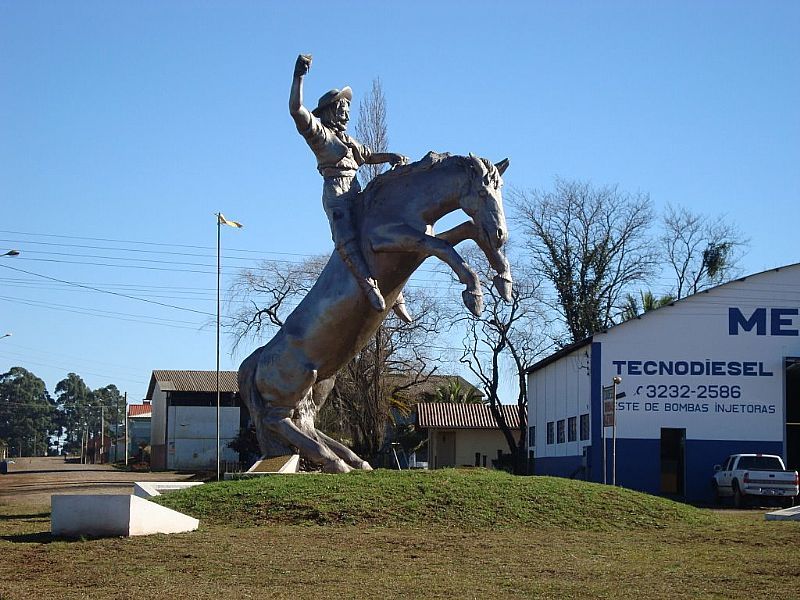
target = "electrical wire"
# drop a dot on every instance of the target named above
(200, 312)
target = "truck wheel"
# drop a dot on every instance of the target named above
(738, 496)
(715, 490)
(788, 502)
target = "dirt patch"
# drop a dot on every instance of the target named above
(31, 481)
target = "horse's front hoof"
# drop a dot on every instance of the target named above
(336, 466)
(473, 301)
(502, 283)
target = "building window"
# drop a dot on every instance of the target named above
(572, 429)
(550, 436)
(531, 436)
(584, 427)
(560, 431)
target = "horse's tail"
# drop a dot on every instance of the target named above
(247, 388)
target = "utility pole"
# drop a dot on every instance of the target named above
(102, 431)
(126, 429)
(116, 431)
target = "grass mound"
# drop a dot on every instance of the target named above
(465, 499)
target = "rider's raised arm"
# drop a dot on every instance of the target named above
(302, 117)
(386, 157)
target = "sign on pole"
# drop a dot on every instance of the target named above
(608, 406)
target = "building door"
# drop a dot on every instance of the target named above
(792, 413)
(446, 449)
(673, 461)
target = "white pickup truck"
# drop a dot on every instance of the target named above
(755, 477)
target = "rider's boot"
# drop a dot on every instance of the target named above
(351, 255)
(401, 310)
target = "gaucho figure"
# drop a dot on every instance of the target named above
(338, 158)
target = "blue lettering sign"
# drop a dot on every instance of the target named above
(758, 320)
(778, 320)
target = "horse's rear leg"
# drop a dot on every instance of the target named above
(319, 394)
(347, 455)
(277, 422)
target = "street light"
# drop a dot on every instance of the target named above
(5, 335)
(11, 253)
(221, 220)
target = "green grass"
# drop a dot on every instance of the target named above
(452, 498)
(445, 534)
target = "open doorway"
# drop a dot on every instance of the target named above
(792, 412)
(673, 461)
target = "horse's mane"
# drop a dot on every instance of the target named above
(426, 163)
(431, 161)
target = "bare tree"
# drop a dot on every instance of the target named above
(370, 390)
(371, 129)
(364, 395)
(592, 244)
(507, 333)
(701, 251)
(261, 298)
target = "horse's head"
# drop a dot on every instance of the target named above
(483, 202)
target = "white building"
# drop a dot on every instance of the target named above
(183, 432)
(710, 375)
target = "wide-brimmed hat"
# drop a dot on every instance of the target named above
(331, 97)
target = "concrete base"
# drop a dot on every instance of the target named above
(787, 514)
(113, 515)
(151, 489)
(269, 466)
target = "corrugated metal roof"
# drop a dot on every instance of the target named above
(439, 415)
(140, 410)
(192, 381)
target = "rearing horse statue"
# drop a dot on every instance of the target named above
(285, 382)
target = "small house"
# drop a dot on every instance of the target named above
(465, 435)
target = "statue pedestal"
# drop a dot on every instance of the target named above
(273, 465)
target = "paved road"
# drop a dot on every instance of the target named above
(31, 481)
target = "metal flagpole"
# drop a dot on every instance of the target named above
(219, 269)
(220, 220)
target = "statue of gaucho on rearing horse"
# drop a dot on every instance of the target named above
(285, 382)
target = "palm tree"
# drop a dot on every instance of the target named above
(649, 302)
(455, 392)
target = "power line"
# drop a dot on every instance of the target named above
(105, 314)
(200, 312)
(14, 349)
(172, 245)
(72, 370)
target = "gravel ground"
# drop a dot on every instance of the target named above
(31, 481)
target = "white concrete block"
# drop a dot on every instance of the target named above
(112, 515)
(269, 466)
(787, 514)
(150, 489)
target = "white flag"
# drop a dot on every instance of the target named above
(224, 221)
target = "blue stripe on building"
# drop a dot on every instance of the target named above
(639, 464)
(595, 452)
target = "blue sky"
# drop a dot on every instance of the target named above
(124, 126)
